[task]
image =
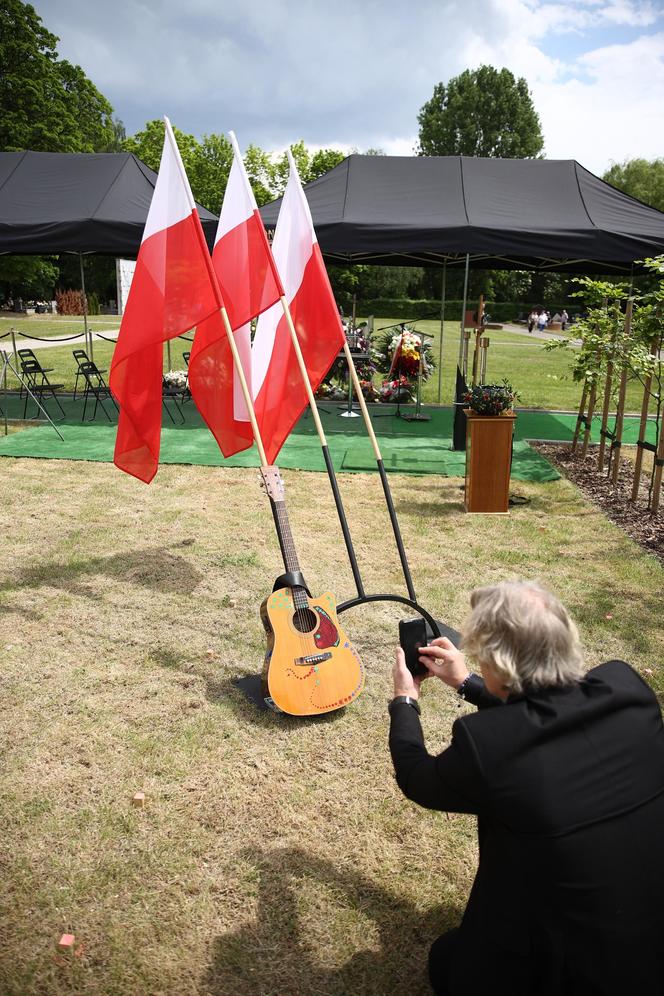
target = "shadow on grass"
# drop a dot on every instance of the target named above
(274, 955)
(245, 699)
(157, 569)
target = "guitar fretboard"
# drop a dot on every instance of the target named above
(289, 553)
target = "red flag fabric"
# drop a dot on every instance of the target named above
(250, 284)
(279, 393)
(171, 292)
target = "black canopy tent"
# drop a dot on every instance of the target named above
(518, 214)
(55, 202)
(503, 213)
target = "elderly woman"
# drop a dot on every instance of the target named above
(565, 772)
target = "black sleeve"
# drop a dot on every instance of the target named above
(451, 782)
(477, 695)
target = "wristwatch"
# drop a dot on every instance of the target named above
(408, 700)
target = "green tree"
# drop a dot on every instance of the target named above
(46, 104)
(640, 178)
(482, 112)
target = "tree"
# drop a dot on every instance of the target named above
(639, 178)
(482, 112)
(46, 104)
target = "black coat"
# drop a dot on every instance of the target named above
(568, 785)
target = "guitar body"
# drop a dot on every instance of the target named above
(310, 665)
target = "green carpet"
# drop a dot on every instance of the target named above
(407, 447)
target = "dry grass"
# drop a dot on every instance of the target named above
(274, 855)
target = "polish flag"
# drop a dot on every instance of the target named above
(279, 393)
(250, 284)
(172, 290)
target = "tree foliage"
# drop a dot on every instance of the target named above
(640, 178)
(482, 112)
(46, 104)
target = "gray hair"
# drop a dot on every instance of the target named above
(525, 634)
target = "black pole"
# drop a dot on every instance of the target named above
(411, 602)
(343, 522)
(396, 530)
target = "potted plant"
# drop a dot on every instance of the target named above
(491, 399)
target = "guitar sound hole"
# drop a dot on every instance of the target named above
(305, 620)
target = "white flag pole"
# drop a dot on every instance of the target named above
(246, 393)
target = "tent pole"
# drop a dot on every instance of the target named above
(88, 335)
(463, 309)
(323, 442)
(442, 326)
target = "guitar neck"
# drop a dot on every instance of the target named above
(288, 551)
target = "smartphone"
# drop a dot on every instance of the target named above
(416, 633)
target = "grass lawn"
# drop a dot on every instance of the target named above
(273, 855)
(543, 379)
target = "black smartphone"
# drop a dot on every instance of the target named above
(416, 633)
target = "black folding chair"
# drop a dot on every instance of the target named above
(27, 354)
(186, 355)
(82, 357)
(96, 386)
(177, 396)
(36, 379)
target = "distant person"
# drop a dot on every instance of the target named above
(532, 320)
(564, 318)
(565, 772)
(542, 320)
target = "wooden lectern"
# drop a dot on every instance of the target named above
(488, 461)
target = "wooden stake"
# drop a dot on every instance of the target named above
(579, 419)
(620, 414)
(642, 427)
(605, 414)
(138, 800)
(589, 419)
(478, 334)
(66, 943)
(657, 479)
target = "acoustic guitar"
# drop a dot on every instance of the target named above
(310, 665)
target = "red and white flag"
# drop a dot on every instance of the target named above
(250, 284)
(279, 393)
(172, 290)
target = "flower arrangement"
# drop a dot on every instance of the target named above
(410, 353)
(369, 390)
(491, 399)
(399, 389)
(176, 380)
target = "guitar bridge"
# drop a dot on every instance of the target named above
(311, 659)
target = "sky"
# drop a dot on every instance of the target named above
(353, 74)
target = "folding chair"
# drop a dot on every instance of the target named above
(177, 396)
(95, 385)
(27, 354)
(186, 355)
(39, 384)
(82, 357)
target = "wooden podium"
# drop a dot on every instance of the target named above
(488, 461)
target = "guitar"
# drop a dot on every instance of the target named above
(310, 665)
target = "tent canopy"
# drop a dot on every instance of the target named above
(52, 202)
(507, 213)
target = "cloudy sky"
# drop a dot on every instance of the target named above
(354, 73)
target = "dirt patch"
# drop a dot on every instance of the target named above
(613, 499)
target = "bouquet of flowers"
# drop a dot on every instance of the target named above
(491, 399)
(409, 359)
(396, 390)
(175, 380)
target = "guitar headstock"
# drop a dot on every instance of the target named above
(272, 483)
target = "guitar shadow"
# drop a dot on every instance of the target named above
(245, 698)
(273, 954)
